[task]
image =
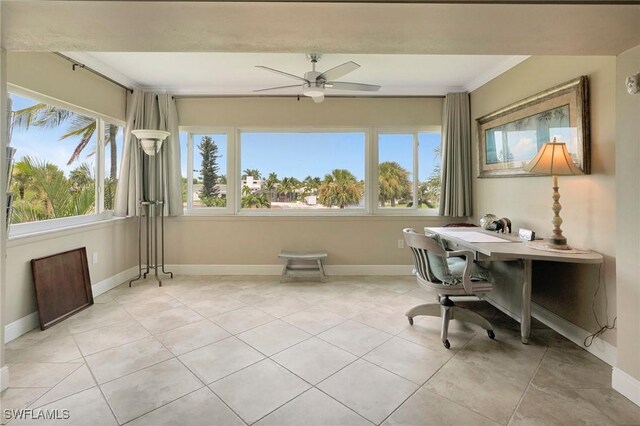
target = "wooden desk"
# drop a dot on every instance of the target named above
(514, 250)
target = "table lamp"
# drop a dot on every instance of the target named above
(554, 159)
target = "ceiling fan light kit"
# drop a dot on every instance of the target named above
(314, 82)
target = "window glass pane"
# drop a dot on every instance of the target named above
(112, 156)
(395, 170)
(429, 170)
(184, 137)
(315, 170)
(210, 170)
(54, 172)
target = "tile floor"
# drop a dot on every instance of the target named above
(252, 350)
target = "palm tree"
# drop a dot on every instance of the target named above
(271, 185)
(49, 194)
(49, 117)
(286, 187)
(255, 173)
(340, 188)
(252, 199)
(393, 182)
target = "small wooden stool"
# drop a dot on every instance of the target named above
(302, 270)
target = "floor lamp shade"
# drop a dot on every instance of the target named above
(554, 159)
(150, 140)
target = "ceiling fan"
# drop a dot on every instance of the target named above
(314, 82)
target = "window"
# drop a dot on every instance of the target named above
(302, 170)
(323, 171)
(408, 171)
(60, 157)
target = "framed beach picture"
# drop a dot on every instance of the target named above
(510, 137)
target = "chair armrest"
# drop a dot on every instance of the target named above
(466, 275)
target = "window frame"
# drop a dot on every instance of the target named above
(26, 228)
(415, 210)
(234, 171)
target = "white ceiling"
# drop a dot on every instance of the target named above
(235, 73)
(410, 47)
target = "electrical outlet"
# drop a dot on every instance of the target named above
(400, 244)
(94, 258)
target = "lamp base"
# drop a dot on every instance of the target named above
(558, 242)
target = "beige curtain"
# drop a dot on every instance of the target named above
(156, 112)
(455, 195)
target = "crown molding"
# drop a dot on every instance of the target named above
(494, 72)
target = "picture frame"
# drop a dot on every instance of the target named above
(62, 285)
(511, 136)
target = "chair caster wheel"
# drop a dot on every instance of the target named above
(446, 344)
(491, 334)
(410, 320)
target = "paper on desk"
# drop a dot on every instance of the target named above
(476, 237)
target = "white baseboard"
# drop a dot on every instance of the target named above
(277, 269)
(21, 326)
(4, 378)
(113, 281)
(599, 348)
(626, 385)
(27, 323)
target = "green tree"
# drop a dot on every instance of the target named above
(209, 152)
(252, 199)
(255, 173)
(340, 188)
(49, 193)
(393, 182)
(271, 185)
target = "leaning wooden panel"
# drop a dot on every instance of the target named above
(62, 284)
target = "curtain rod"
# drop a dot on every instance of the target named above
(91, 70)
(301, 96)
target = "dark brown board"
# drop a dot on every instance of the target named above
(63, 285)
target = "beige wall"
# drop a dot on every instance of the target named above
(114, 241)
(289, 112)
(628, 215)
(589, 202)
(51, 75)
(257, 240)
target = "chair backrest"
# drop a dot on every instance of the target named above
(429, 256)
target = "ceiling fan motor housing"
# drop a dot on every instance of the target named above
(313, 87)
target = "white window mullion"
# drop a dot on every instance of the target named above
(416, 170)
(234, 192)
(99, 186)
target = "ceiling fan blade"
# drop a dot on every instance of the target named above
(339, 71)
(338, 85)
(276, 88)
(286, 74)
(318, 99)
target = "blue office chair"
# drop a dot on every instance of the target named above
(450, 273)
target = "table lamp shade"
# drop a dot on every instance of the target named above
(553, 159)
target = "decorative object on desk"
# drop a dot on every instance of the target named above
(545, 246)
(554, 159)
(62, 285)
(633, 84)
(487, 220)
(510, 137)
(526, 234)
(151, 203)
(501, 225)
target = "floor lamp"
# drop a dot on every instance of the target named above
(151, 202)
(554, 159)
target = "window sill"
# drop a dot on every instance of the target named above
(25, 233)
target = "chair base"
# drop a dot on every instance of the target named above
(448, 311)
